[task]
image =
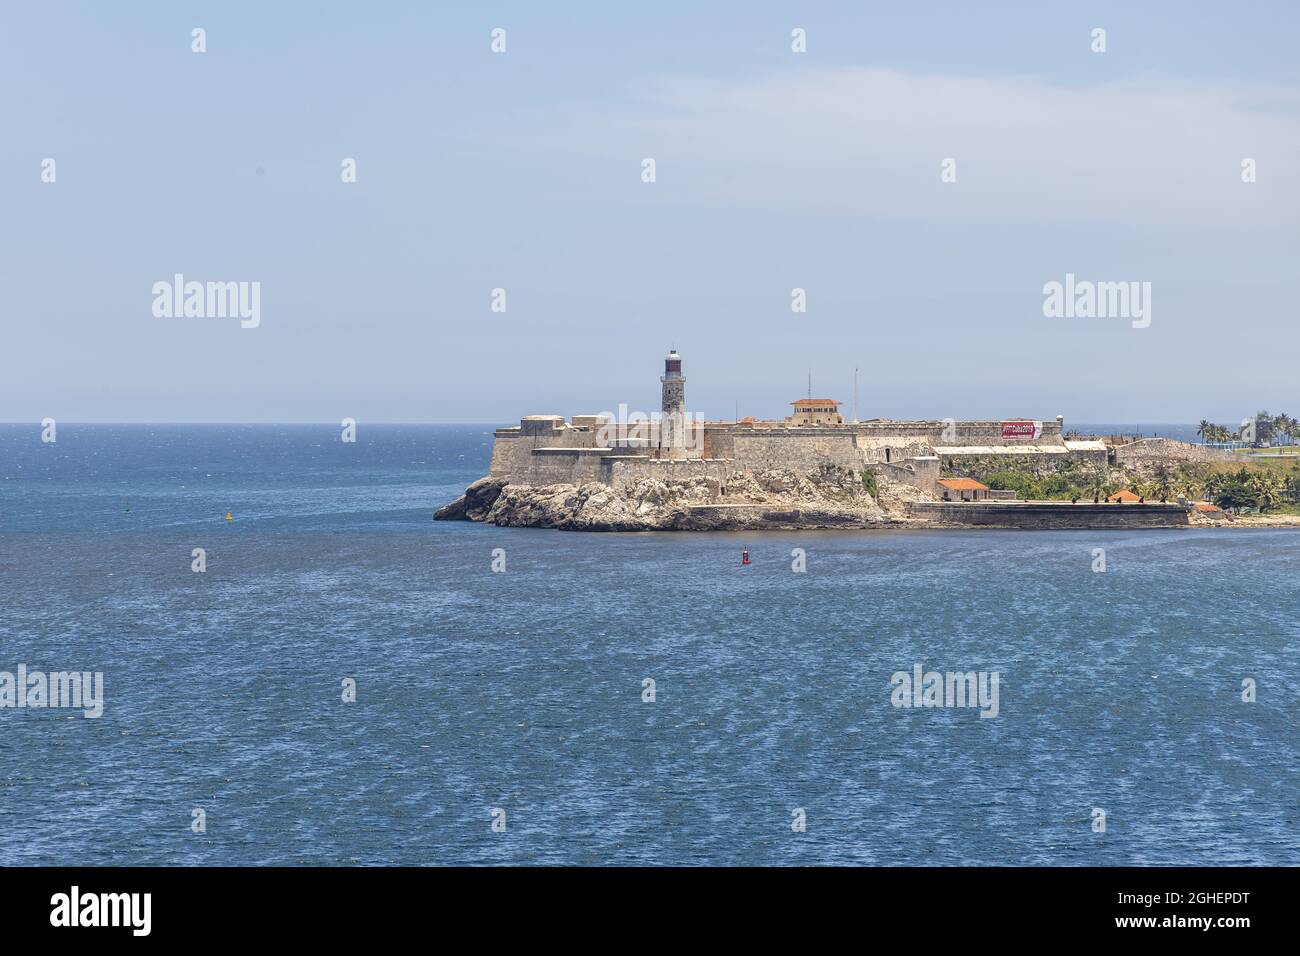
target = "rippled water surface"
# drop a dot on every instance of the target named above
(523, 690)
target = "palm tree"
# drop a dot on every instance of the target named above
(1286, 426)
(1266, 490)
(1161, 483)
(1263, 428)
(1203, 429)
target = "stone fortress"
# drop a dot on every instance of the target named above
(812, 469)
(547, 450)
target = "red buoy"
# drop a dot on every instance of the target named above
(744, 556)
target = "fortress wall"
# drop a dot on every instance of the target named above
(990, 433)
(921, 472)
(639, 430)
(561, 466)
(503, 452)
(623, 472)
(903, 439)
(927, 470)
(644, 433)
(577, 466)
(962, 433)
(1043, 515)
(1167, 449)
(878, 450)
(555, 468)
(896, 472)
(930, 432)
(719, 441)
(801, 449)
(513, 447)
(1090, 456)
(521, 453)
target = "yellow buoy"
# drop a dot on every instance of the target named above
(229, 516)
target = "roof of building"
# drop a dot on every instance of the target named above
(815, 401)
(1124, 495)
(1207, 506)
(949, 451)
(962, 484)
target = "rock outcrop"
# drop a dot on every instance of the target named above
(475, 503)
(828, 497)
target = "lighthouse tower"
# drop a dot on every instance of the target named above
(672, 422)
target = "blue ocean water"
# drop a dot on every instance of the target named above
(522, 690)
(1178, 432)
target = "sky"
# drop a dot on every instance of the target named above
(522, 170)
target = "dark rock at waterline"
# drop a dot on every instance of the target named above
(475, 503)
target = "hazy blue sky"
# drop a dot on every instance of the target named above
(775, 170)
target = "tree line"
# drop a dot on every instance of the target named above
(1263, 429)
(1264, 490)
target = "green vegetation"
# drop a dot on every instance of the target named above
(1267, 485)
(1034, 479)
(869, 483)
(1029, 486)
(1268, 430)
(1264, 489)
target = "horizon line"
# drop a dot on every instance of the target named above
(334, 424)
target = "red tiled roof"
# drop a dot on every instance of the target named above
(962, 484)
(815, 401)
(1124, 495)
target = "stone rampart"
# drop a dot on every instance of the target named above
(561, 466)
(1167, 449)
(921, 472)
(799, 449)
(1050, 515)
(938, 433)
(619, 473)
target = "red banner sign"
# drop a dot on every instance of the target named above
(1022, 430)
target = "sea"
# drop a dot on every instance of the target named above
(346, 681)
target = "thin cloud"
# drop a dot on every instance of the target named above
(871, 141)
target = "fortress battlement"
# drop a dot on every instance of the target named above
(548, 449)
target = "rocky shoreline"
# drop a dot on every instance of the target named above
(776, 500)
(772, 500)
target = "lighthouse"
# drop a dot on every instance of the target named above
(672, 421)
